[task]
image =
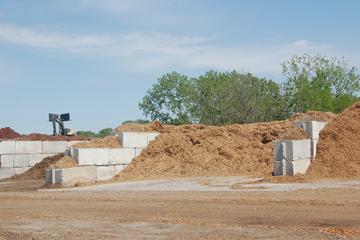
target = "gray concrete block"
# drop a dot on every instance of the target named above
(20, 170)
(138, 151)
(49, 173)
(313, 148)
(21, 160)
(7, 147)
(152, 136)
(108, 172)
(7, 161)
(54, 146)
(92, 156)
(121, 155)
(28, 147)
(279, 168)
(313, 128)
(6, 172)
(299, 166)
(38, 157)
(71, 176)
(133, 139)
(292, 150)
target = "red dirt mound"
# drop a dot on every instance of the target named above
(8, 133)
(200, 150)
(338, 151)
(44, 137)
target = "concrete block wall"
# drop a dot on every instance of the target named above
(17, 157)
(295, 156)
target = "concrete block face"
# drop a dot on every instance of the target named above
(313, 128)
(7, 161)
(54, 146)
(152, 136)
(108, 172)
(291, 150)
(133, 139)
(138, 151)
(121, 155)
(28, 147)
(6, 172)
(7, 147)
(21, 160)
(71, 176)
(313, 148)
(20, 170)
(279, 168)
(299, 166)
(49, 176)
(92, 156)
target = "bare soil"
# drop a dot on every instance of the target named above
(45, 137)
(306, 214)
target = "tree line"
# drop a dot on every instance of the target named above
(218, 98)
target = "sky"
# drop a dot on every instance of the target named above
(97, 58)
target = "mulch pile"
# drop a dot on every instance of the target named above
(8, 133)
(338, 150)
(313, 116)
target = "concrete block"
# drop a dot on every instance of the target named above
(280, 168)
(28, 147)
(7, 161)
(49, 173)
(133, 139)
(38, 157)
(292, 150)
(70, 176)
(313, 128)
(6, 173)
(138, 151)
(71, 143)
(121, 155)
(108, 172)
(21, 160)
(92, 156)
(20, 170)
(7, 147)
(152, 136)
(54, 146)
(300, 166)
(313, 148)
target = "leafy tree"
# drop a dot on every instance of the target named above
(319, 83)
(138, 121)
(168, 100)
(86, 134)
(104, 132)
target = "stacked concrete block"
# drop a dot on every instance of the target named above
(92, 156)
(121, 155)
(136, 139)
(313, 128)
(292, 156)
(18, 156)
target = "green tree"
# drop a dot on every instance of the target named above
(86, 134)
(104, 132)
(168, 100)
(319, 83)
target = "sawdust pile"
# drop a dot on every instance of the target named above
(313, 116)
(8, 133)
(200, 150)
(338, 150)
(106, 142)
(38, 171)
(65, 162)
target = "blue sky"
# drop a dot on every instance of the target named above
(96, 58)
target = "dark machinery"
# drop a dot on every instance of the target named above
(55, 118)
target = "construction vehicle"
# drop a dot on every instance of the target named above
(60, 119)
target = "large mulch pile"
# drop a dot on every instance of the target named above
(200, 150)
(155, 126)
(338, 150)
(106, 142)
(313, 116)
(8, 133)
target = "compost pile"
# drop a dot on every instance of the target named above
(338, 150)
(155, 126)
(8, 133)
(313, 116)
(200, 150)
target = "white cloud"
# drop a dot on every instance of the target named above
(147, 51)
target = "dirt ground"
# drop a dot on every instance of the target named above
(26, 213)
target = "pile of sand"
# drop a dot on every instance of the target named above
(8, 133)
(338, 150)
(200, 150)
(106, 142)
(313, 116)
